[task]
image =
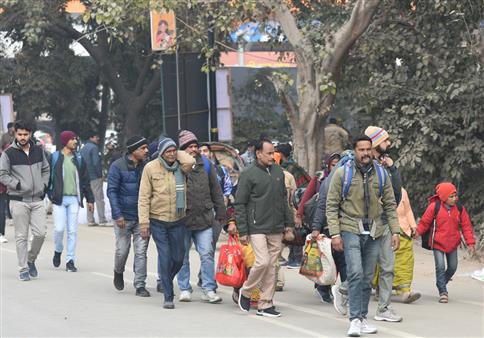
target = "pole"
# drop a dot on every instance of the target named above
(212, 90)
(163, 111)
(178, 90)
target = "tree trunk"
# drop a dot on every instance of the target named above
(132, 124)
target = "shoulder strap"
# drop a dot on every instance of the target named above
(206, 165)
(437, 208)
(347, 177)
(382, 176)
(459, 207)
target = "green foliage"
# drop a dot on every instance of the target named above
(432, 103)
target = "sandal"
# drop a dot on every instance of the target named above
(444, 298)
(411, 297)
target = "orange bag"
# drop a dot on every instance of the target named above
(230, 266)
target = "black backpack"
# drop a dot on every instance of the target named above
(429, 235)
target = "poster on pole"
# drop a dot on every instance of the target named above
(163, 31)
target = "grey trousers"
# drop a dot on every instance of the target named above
(123, 245)
(386, 261)
(28, 215)
(97, 190)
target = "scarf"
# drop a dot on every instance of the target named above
(180, 185)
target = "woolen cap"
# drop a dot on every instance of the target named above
(377, 135)
(186, 138)
(66, 136)
(135, 142)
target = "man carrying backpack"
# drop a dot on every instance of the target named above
(359, 193)
(69, 184)
(386, 259)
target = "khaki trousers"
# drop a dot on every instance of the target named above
(263, 273)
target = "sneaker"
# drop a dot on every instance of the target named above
(142, 292)
(168, 305)
(24, 276)
(185, 296)
(92, 225)
(70, 266)
(324, 293)
(244, 302)
(159, 287)
(339, 301)
(366, 327)
(235, 297)
(211, 297)
(410, 297)
(283, 261)
(56, 260)
(32, 270)
(279, 288)
(118, 281)
(388, 315)
(3, 239)
(355, 328)
(270, 312)
(293, 265)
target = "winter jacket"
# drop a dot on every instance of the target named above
(157, 192)
(261, 201)
(123, 188)
(248, 158)
(90, 154)
(447, 236)
(26, 176)
(346, 215)
(56, 183)
(203, 196)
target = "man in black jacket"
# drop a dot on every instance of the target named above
(69, 184)
(262, 215)
(204, 195)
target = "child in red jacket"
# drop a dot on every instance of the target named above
(447, 236)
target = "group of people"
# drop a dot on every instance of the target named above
(179, 194)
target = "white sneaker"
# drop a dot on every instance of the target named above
(3, 239)
(366, 327)
(211, 297)
(388, 315)
(185, 296)
(339, 301)
(355, 328)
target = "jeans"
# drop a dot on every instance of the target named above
(169, 238)
(361, 253)
(28, 215)
(203, 240)
(442, 275)
(123, 245)
(65, 215)
(386, 261)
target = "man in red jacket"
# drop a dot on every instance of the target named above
(447, 238)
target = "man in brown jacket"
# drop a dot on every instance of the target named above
(162, 207)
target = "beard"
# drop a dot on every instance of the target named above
(381, 151)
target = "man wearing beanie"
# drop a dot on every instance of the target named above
(162, 209)
(69, 185)
(204, 196)
(383, 281)
(124, 178)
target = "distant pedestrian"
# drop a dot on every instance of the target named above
(123, 190)
(24, 170)
(262, 215)
(92, 156)
(8, 137)
(249, 156)
(205, 208)
(450, 217)
(162, 210)
(68, 186)
(354, 210)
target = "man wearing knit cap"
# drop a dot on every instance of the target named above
(123, 188)
(386, 260)
(69, 185)
(162, 209)
(204, 196)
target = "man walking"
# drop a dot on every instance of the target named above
(262, 215)
(162, 210)
(386, 259)
(92, 156)
(203, 196)
(358, 195)
(69, 184)
(24, 170)
(123, 189)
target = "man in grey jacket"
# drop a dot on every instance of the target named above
(24, 170)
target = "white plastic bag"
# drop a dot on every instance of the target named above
(328, 277)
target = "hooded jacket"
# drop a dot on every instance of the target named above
(90, 154)
(25, 176)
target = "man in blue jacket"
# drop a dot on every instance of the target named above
(123, 187)
(92, 156)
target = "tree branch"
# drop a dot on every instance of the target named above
(286, 99)
(142, 75)
(150, 89)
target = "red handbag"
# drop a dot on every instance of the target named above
(230, 266)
